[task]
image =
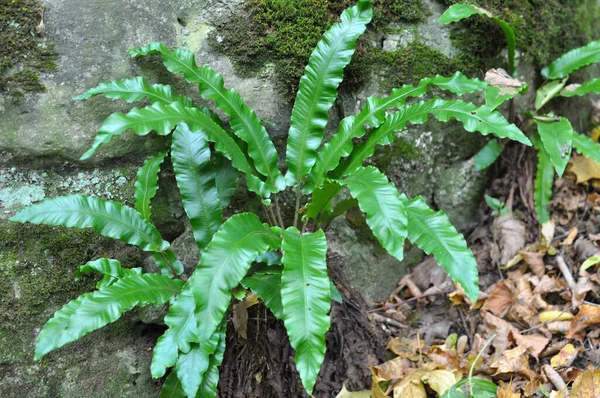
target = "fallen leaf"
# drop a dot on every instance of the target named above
(584, 168)
(413, 385)
(513, 361)
(393, 369)
(533, 344)
(509, 238)
(548, 284)
(582, 287)
(588, 315)
(444, 358)
(535, 260)
(548, 229)
(405, 348)
(565, 357)
(587, 385)
(571, 237)
(551, 316)
(240, 319)
(499, 300)
(506, 391)
(353, 394)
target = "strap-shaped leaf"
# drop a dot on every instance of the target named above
(573, 60)
(305, 295)
(488, 154)
(108, 218)
(373, 114)
(146, 183)
(158, 117)
(199, 309)
(548, 91)
(172, 387)
(226, 178)
(557, 137)
(433, 233)
(244, 122)
(168, 263)
(223, 265)
(195, 177)
(182, 330)
(544, 178)
(318, 89)
(321, 198)
(572, 90)
(136, 89)
(210, 379)
(460, 11)
(110, 269)
(267, 286)
(457, 12)
(91, 311)
(190, 368)
(378, 198)
(162, 119)
(473, 118)
(586, 146)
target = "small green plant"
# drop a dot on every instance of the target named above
(497, 207)
(283, 264)
(555, 136)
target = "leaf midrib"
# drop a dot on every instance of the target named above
(358, 125)
(106, 215)
(235, 110)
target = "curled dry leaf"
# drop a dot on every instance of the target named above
(551, 316)
(413, 385)
(565, 357)
(513, 362)
(571, 237)
(548, 229)
(535, 260)
(509, 238)
(589, 315)
(506, 391)
(500, 78)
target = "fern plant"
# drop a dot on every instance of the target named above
(208, 156)
(555, 136)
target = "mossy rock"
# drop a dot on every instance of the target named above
(24, 52)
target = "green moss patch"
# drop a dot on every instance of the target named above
(23, 53)
(544, 29)
(285, 33)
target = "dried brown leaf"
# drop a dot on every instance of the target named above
(589, 315)
(499, 299)
(584, 168)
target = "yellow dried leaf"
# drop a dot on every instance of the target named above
(589, 315)
(587, 385)
(412, 386)
(506, 391)
(565, 357)
(584, 168)
(551, 316)
(571, 237)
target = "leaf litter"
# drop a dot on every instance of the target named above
(534, 330)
